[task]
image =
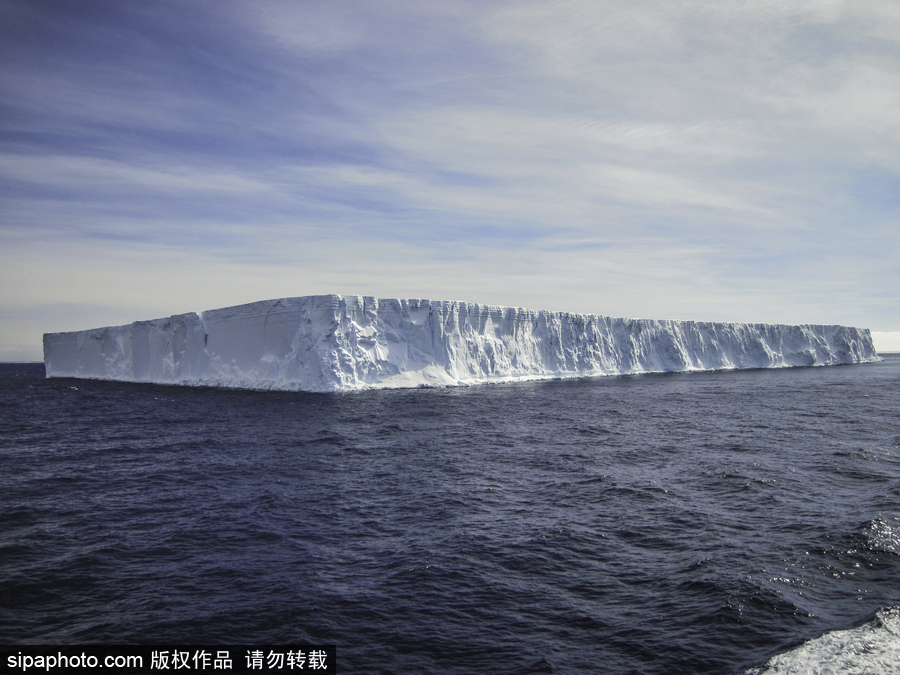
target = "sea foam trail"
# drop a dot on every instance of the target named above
(337, 343)
(873, 648)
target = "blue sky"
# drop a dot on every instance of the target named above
(735, 161)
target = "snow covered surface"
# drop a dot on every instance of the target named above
(339, 343)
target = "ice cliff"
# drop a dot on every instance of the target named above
(337, 343)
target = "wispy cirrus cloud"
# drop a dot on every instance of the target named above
(692, 160)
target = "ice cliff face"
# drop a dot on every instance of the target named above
(336, 343)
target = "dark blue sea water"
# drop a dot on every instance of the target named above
(684, 523)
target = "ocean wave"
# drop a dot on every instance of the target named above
(882, 535)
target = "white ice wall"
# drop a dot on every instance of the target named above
(334, 343)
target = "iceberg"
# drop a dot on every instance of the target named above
(340, 343)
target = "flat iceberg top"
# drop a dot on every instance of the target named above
(338, 343)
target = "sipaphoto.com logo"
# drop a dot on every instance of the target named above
(59, 661)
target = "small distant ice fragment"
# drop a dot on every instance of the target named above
(886, 342)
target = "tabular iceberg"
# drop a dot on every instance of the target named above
(338, 343)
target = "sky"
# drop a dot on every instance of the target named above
(700, 159)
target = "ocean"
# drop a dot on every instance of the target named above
(654, 524)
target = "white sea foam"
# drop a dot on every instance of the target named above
(871, 649)
(337, 343)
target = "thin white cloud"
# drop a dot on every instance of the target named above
(692, 160)
(91, 173)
